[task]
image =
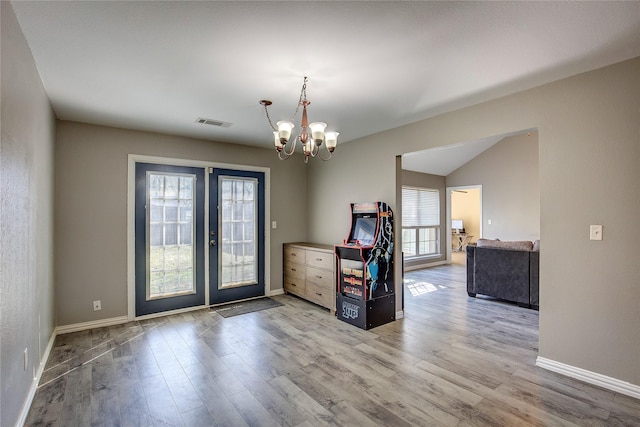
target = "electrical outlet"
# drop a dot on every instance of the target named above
(97, 305)
(274, 224)
(26, 358)
(595, 232)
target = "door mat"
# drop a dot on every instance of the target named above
(244, 307)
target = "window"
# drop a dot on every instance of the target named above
(239, 223)
(170, 234)
(420, 222)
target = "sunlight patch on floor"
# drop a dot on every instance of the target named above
(421, 288)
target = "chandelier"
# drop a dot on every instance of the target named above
(311, 137)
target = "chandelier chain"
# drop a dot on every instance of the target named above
(275, 129)
(303, 97)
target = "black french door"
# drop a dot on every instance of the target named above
(237, 235)
(169, 237)
(171, 240)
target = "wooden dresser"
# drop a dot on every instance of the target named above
(309, 273)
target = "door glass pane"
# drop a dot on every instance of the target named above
(170, 235)
(237, 261)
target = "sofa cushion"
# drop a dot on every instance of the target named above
(516, 245)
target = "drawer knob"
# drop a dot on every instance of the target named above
(318, 277)
(318, 259)
(293, 269)
(293, 284)
(319, 294)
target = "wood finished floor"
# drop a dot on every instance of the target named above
(451, 361)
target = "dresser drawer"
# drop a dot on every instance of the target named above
(320, 259)
(295, 270)
(295, 285)
(321, 278)
(321, 296)
(294, 254)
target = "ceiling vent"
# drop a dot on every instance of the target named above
(213, 122)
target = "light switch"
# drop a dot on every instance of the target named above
(595, 232)
(274, 224)
(489, 221)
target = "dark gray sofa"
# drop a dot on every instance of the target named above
(505, 270)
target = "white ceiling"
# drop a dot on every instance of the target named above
(444, 160)
(372, 66)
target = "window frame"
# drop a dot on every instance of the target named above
(427, 223)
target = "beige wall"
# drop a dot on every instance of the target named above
(589, 151)
(466, 206)
(434, 182)
(91, 209)
(508, 173)
(27, 319)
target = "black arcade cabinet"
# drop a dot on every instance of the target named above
(366, 292)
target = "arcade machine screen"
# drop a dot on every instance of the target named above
(365, 230)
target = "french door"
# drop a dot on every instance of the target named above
(237, 234)
(171, 241)
(169, 236)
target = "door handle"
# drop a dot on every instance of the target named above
(212, 243)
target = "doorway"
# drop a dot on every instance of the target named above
(198, 236)
(464, 218)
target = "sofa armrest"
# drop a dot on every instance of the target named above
(534, 279)
(471, 250)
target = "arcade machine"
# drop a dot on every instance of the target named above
(366, 295)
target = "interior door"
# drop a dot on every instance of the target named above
(169, 237)
(236, 235)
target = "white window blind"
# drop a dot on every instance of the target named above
(420, 207)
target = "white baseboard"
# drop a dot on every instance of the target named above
(91, 325)
(76, 327)
(594, 378)
(36, 379)
(399, 314)
(274, 292)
